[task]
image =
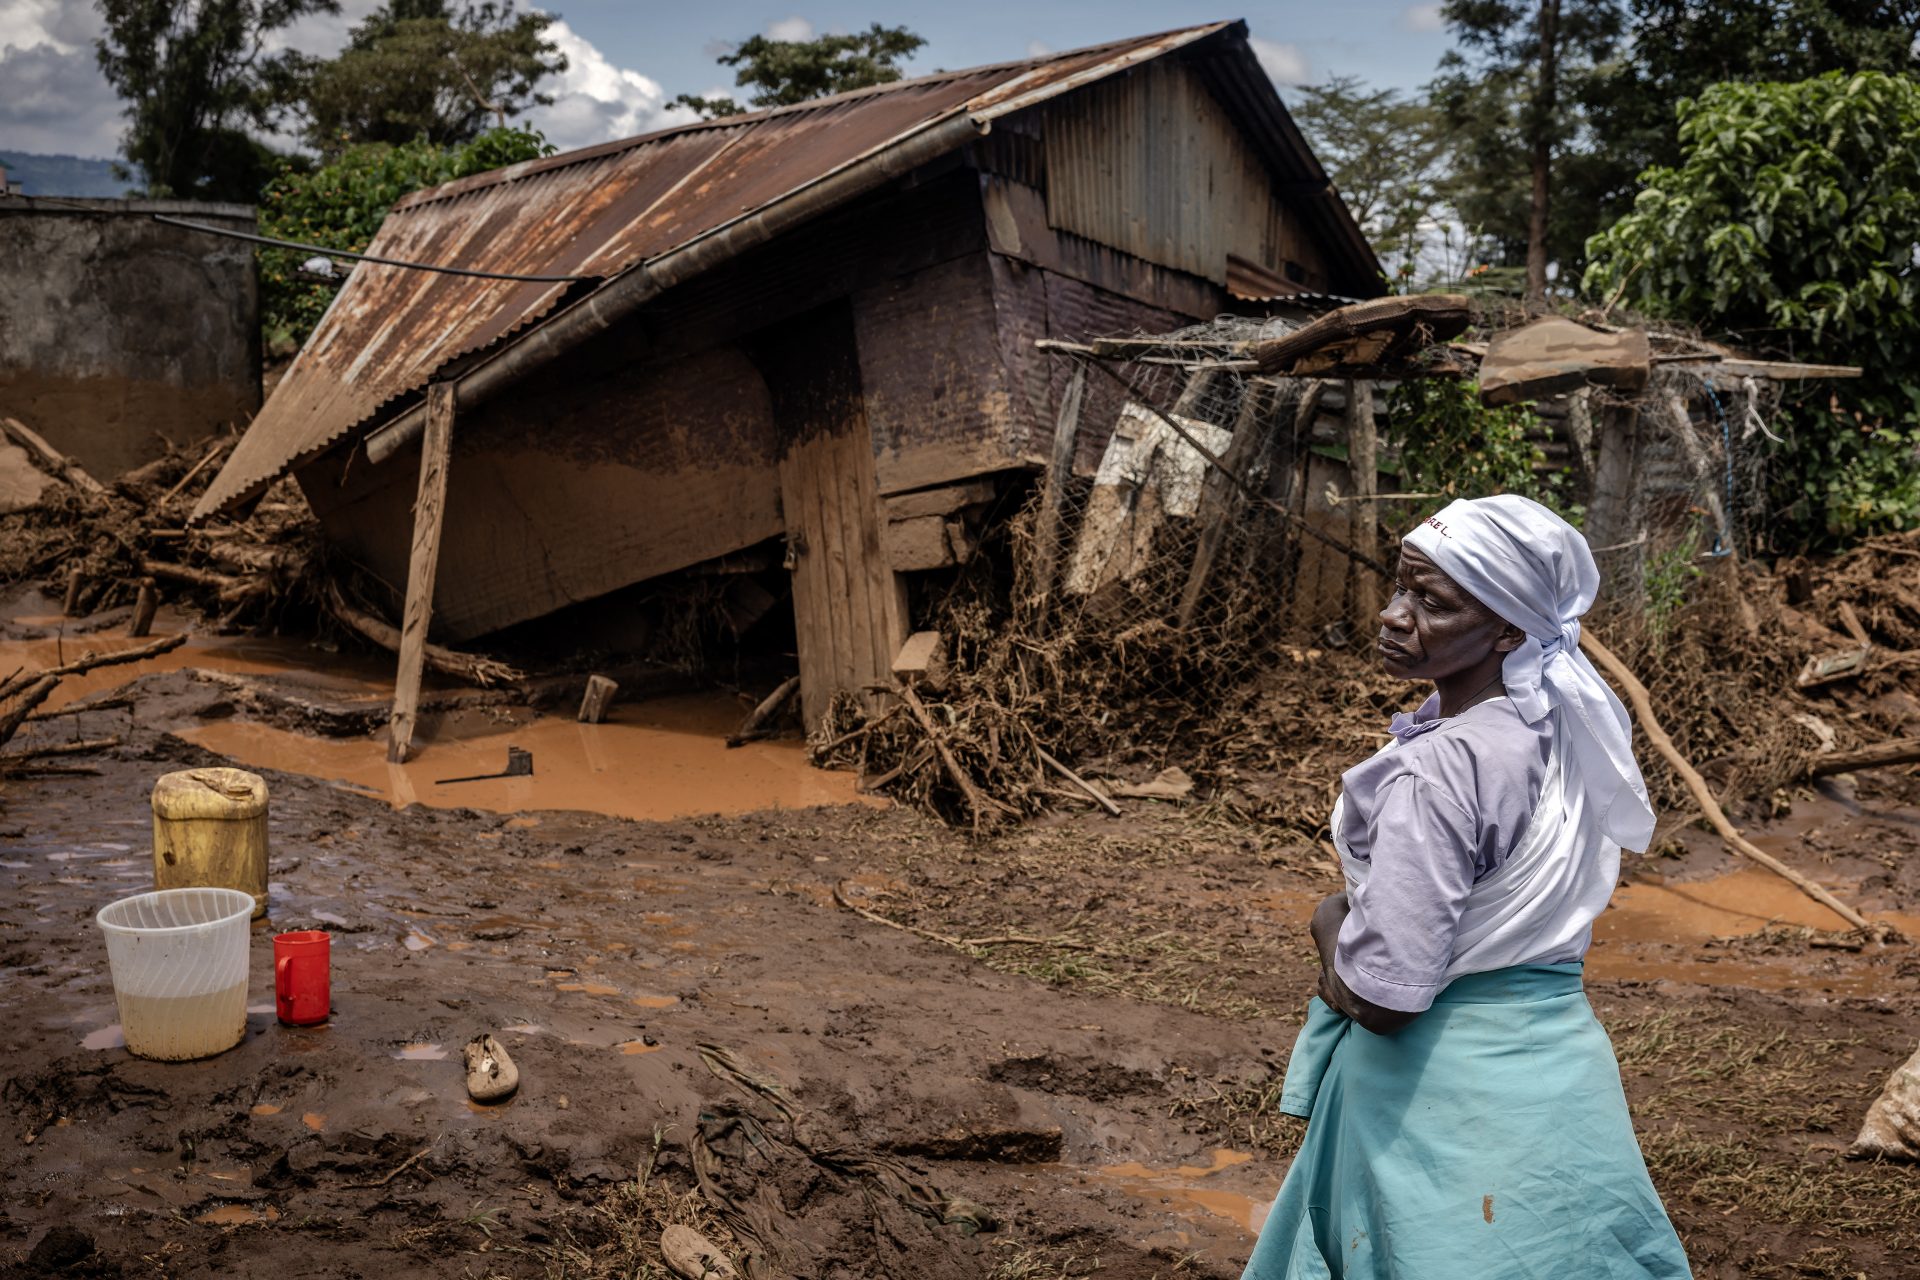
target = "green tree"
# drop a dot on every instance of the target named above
(1680, 47)
(1384, 152)
(193, 74)
(423, 69)
(781, 73)
(1511, 98)
(341, 204)
(1792, 222)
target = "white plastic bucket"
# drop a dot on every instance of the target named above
(179, 964)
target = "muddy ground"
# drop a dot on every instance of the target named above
(1050, 1054)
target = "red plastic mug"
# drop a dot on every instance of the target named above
(300, 987)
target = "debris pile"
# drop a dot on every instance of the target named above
(1188, 587)
(101, 548)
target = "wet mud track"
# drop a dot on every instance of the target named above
(1102, 1101)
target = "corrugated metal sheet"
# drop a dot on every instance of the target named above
(598, 212)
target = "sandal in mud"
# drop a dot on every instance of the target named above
(491, 1075)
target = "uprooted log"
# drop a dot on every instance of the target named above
(89, 660)
(759, 723)
(473, 668)
(48, 458)
(1878, 756)
(30, 696)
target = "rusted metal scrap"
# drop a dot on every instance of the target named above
(1554, 354)
(1363, 338)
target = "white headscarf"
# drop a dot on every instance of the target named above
(1535, 571)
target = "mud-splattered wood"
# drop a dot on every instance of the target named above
(145, 605)
(429, 511)
(1702, 794)
(1878, 756)
(1219, 499)
(89, 660)
(1046, 529)
(759, 723)
(1363, 472)
(1094, 793)
(471, 667)
(48, 458)
(596, 700)
(16, 715)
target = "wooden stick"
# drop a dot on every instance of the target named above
(193, 577)
(1363, 469)
(471, 667)
(145, 605)
(219, 448)
(967, 944)
(1046, 527)
(396, 1171)
(1877, 756)
(1251, 427)
(64, 749)
(88, 660)
(35, 694)
(76, 582)
(109, 703)
(760, 723)
(976, 800)
(50, 458)
(422, 567)
(1098, 796)
(1703, 796)
(865, 729)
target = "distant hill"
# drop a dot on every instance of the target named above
(64, 175)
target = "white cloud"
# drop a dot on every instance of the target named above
(1422, 17)
(1284, 63)
(1038, 48)
(595, 101)
(791, 28)
(56, 100)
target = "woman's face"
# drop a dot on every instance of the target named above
(1432, 629)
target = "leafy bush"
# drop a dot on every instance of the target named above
(1792, 222)
(340, 205)
(1451, 444)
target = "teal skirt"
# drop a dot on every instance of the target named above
(1487, 1140)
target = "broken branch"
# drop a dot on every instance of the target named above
(1643, 709)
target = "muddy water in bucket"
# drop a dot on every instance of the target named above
(179, 964)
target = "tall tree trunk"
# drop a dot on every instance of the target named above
(1545, 96)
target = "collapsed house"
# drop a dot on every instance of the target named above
(807, 332)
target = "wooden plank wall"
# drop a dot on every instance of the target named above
(849, 606)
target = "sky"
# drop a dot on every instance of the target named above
(629, 58)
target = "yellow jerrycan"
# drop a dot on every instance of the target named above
(210, 830)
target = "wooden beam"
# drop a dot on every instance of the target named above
(1779, 370)
(1878, 756)
(1613, 509)
(1046, 527)
(145, 605)
(429, 513)
(1363, 472)
(1219, 499)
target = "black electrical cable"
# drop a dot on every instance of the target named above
(365, 257)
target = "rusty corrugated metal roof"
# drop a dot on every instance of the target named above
(599, 212)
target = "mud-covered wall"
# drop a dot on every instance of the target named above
(120, 333)
(581, 480)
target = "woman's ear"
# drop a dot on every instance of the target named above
(1509, 639)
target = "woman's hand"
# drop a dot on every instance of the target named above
(1325, 928)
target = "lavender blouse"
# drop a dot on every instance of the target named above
(1433, 816)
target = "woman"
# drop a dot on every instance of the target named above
(1466, 1115)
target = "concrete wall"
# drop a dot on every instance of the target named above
(118, 331)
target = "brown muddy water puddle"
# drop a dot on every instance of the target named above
(1186, 1190)
(661, 759)
(656, 760)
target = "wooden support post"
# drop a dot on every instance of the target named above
(599, 696)
(1363, 472)
(76, 583)
(429, 511)
(1046, 528)
(1614, 525)
(145, 605)
(1220, 499)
